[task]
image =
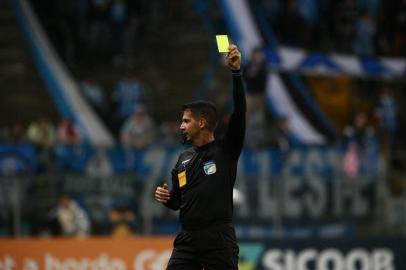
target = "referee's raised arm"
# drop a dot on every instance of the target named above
(234, 137)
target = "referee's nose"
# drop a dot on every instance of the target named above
(182, 127)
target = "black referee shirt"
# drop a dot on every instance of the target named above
(204, 177)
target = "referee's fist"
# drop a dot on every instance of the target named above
(162, 194)
(233, 57)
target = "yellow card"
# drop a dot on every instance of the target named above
(222, 43)
(182, 178)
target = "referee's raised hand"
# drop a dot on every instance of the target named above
(162, 194)
(233, 57)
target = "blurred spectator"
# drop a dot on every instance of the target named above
(399, 39)
(361, 150)
(291, 18)
(67, 13)
(128, 94)
(69, 145)
(13, 135)
(122, 219)
(69, 219)
(370, 158)
(99, 26)
(356, 131)
(386, 28)
(362, 158)
(256, 132)
(41, 133)
(344, 21)
(255, 78)
(68, 133)
(309, 11)
(364, 43)
(281, 135)
(119, 20)
(133, 26)
(351, 160)
(370, 5)
(355, 136)
(341, 25)
(17, 134)
(99, 166)
(385, 112)
(138, 130)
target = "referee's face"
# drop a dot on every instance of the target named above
(190, 126)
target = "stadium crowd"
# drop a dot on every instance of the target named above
(362, 27)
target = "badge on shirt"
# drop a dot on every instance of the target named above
(209, 167)
(182, 178)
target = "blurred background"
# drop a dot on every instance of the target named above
(90, 99)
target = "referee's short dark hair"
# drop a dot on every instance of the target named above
(204, 109)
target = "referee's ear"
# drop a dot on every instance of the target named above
(202, 122)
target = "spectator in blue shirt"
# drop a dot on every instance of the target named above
(128, 94)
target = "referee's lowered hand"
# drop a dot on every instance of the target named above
(233, 57)
(162, 194)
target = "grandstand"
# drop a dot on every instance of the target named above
(321, 179)
(18, 71)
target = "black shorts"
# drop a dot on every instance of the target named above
(213, 248)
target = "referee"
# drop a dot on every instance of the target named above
(203, 180)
